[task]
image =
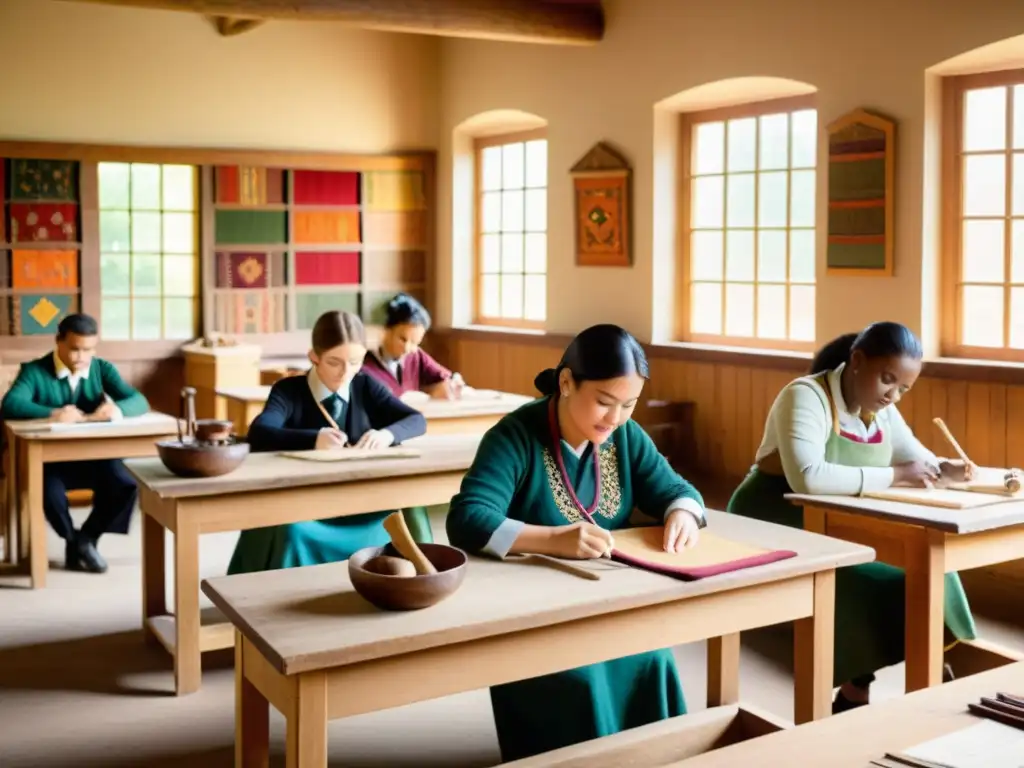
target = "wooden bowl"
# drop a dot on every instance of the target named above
(191, 460)
(409, 593)
(208, 430)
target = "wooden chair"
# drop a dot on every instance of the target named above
(670, 425)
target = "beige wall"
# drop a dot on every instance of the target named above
(871, 55)
(98, 74)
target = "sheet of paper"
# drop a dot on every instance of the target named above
(985, 745)
(645, 543)
(155, 419)
(938, 497)
(352, 454)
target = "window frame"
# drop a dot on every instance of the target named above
(684, 231)
(481, 143)
(952, 193)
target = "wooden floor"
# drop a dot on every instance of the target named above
(78, 687)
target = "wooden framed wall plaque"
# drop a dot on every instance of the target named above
(601, 186)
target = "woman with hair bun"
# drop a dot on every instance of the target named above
(400, 364)
(838, 431)
(539, 475)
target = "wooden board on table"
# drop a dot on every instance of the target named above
(645, 543)
(945, 498)
(159, 421)
(353, 454)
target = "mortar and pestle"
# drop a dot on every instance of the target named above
(206, 449)
(404, 575)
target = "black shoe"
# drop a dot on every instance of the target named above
(842, 704)
(80, 554)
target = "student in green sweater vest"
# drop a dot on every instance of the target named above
(71, 384)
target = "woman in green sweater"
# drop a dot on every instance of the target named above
(539, 476)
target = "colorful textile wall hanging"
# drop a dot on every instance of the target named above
(36, 314)
(49, 180)
(861, 214)
(316, 268)
(44, 222)
(317, 227)
(250, 311)
(247, 185)
(395, 229)
(309, 306)
(394, 191)
(44, 269)
(6, 321)
(251, 270)
(394, 267)
(250, 227)
(601, 184)
(326, 188)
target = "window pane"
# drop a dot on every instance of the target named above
(146, 186)
(982, 316)
(772, 203)
(709, 148)
(115, 231)
(706, 255)
(1018, 185)
(707, 202)
(490, 172)
(115, 318)
(706, 308)
(145, 275)
(536, 210)
(805, 138)
(146, 232)
(1017, 318)
(1017, 253)
(179, 233)
(179, 276)
(985, 119)
(801, 208)
(537, 163)
(801, 313)
(774, 144)
(179, 188)
(490, 299)
(1018, 117)
(739, 255)
(983, 252)
(984, 185)
(113, 179)
(513, 166)
(115, 274)
(512, 211)
(739, 310)
(740, 205)
(491, 221)
(536, 297)
(771, 256)
(512, 296)
(492, 253)
(537, 253)
(179, 322)
(146, 320)
(512, 253)
(801, 255)
(742, 144)
(771, 311)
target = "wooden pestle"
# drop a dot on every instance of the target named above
(406, 545)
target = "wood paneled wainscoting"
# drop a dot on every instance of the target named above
(732, 392)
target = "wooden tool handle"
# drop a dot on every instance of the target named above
(952, 440)
(406, 545)
(332, 422)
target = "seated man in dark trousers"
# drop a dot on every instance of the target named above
(71, 384)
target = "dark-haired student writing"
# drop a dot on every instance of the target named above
(535, 473)
(838, 431)
(71, 384)
(295, 418)
(400, 364)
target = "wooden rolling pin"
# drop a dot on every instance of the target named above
(406, 545)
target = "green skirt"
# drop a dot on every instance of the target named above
(869, 598)
(553, 711)
(319, 541)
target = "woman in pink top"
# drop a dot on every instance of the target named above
(400, 364)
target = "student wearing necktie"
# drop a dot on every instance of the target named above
(333, 406)
(71, 384)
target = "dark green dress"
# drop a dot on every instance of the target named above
(869, 598)
(514, 480)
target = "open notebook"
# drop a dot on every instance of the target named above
(353, 454)
(642, 548)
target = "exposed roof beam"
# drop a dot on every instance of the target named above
(229, 27)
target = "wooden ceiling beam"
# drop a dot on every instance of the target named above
(229, 27)
(534, 21)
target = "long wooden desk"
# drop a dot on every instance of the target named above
(444, 417)
(927, 542)
(266, 490)
(312, 647)
(29, 449)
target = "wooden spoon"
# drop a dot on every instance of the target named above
(406, 545)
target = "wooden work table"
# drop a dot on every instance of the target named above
(266, 490)
(927, 542)
(30, 447)
(311, 646)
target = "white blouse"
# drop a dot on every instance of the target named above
(800, 423)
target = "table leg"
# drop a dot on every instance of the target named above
(38, 558)
(925, 593)
(814, 651)
(252, 716)
(188, 669)
(154, 587)
(724, 670)
(306, 738)
(24, 542)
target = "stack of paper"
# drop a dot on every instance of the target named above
(986, 745)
